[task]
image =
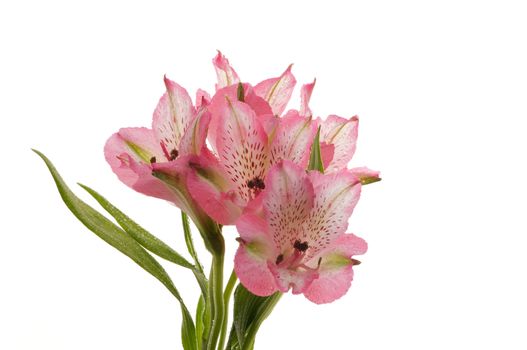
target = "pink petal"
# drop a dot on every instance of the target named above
(210, 186)
(202, 99)
(174, 175)
(250, 262)
(241, 145)
(195, 135)
(129, 153)
(287, 203)
(336, 269)
(299, 280)
(217, 105)
(336, 195)
(327, 152)
(342, 133)
(225, 73)
(292, 139)
(305, 96)
(277, 91)
(172, 116)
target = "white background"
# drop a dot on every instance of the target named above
(440, 88)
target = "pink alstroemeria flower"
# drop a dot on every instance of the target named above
(248, 139)
(293, 236)
(338, 139)
(177, 137)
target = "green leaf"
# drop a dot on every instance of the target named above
(315, 160)
(200, 314)
(142, 236)
(249, 313)
(120, 240)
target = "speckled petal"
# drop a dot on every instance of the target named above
(172, 116)
(195, 135)
(292, 139)
(287, 202)
(242, 146)
(336, 195)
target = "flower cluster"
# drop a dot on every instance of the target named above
(237, 158)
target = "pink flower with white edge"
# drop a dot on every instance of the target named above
(177, 136)
(293, 236)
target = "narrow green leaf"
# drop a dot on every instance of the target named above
(142, 236)
(315, 160)
(120, 240)
(189, 242)
(249, 312)
(200, 314)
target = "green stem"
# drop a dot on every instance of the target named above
(216, 297)
(266, 308)
(226, 298)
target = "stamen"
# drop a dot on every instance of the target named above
(355, 262)
(153, 160)
(300, 246)
(173, 154)
(256, 184)
(279, 259)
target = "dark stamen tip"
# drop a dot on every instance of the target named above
(279, 259)
(300, 246)
(153, 160)
(355, 262)
(173, 154)
(240, 240)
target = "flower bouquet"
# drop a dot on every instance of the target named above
(237, 159)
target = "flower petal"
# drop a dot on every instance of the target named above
(287, 202)
(172, 117)
(211, 187)
(297, 279)
(327, 152)
(343, 134)
(277, 91)
(305, 96)
(225, 73)
(336, 195)
(253, 254)
(195, 135)
(202, 99)
(336, 269)
(217, 105)
(129, 153)
(241, 145)
(292, 139)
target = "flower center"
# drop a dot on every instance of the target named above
(295, 260)
(256, 185)
(173, 154)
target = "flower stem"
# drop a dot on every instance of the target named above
(226, 298)
(216, 295)
(266, 310)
